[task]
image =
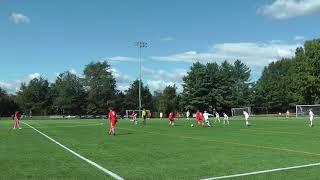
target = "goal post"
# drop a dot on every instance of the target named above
(239, 111)
(303, 110)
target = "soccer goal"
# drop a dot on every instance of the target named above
(303, 110)
(239, 111)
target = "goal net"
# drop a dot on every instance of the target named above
(239, 111)
(303, 110)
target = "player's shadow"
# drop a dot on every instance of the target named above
(123, 133)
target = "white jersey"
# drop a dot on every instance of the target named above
(225, 116)
(246, 115)
(161, 114)
(188, 114)
(217, 115)
(311, 114)
(206, 116)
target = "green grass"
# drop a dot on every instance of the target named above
(159, 152)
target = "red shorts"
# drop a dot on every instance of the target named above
(200, 120)
(113, 122)
(172, 120)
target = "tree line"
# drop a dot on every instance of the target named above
(211, 86)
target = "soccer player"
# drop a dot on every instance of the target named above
(225, 118)
(206, 118)
(113, 121)
(144, 115)
(17, 117)
(188, 115)
(134, 118)
(246, 117)
(200, 118)
(217, 117)
(311, 117)
(287, 114)
(149, 115)
(177, 116)
(161, 115)
(170, 117)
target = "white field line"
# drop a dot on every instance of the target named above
(115, 176)
(79, 125)
(261, 172)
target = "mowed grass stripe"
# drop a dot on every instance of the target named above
(112, 174)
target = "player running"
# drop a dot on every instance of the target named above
(177, 116)
(206, 118)
(149, 115)
(17, 117)
(311, 115)
(144, 116)
(200, 118)
(217, 117)
(170, 117)
(113, 121)
(134, 118)
(225, 118)
(246, 117)
(188, 115)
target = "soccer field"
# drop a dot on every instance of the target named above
(158, 152)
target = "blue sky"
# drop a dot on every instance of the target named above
(49, 37)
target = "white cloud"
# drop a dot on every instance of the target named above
(5, 85)
(122, 59)
(158, 79)
(254, 54)
(14, 85)
(298, 38)
(284, 9)
(32, 76)
(18, 18)
(168, 38)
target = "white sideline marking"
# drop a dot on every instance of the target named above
(115, 176)
(260, 172)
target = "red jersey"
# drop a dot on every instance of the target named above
(113, 116)
(171, 116)
(17, 115)
(149, 114)
(177, 115)
(199, 116)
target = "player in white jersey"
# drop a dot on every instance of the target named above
(206, 118)
(287, 114)
(161, 115)
(311, 117)
(217, 117)
(225, 119)
(246, 117)
(188, 115)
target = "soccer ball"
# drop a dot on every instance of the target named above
(191, 125)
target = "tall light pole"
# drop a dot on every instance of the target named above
(140, 45)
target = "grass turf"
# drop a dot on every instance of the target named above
(158, 152)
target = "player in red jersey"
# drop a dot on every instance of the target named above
(200, 118)
(17, 117)
(149, 115)
(177, 116)
(113, 121)
(171, 123)
(134, 118)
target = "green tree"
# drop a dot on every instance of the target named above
(69, 93)
(101, 87)
(34, 96)
(132, 97)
